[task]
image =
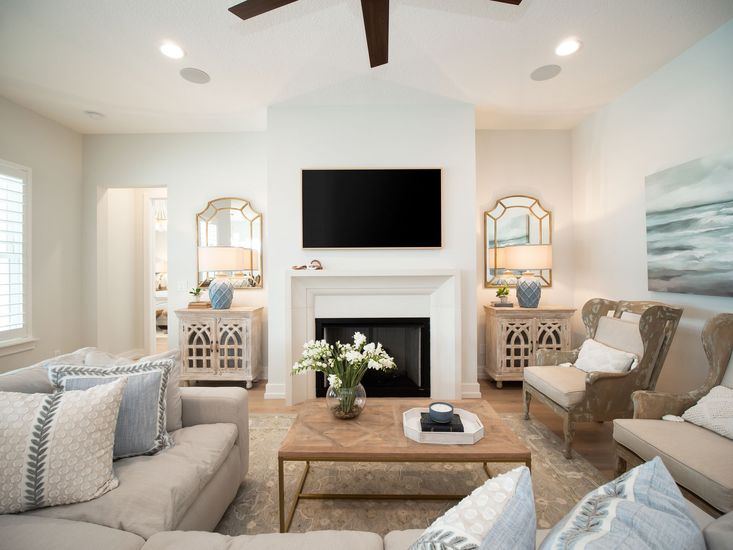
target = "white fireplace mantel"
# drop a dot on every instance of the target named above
(377, 293)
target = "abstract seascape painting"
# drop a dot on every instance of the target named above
(689, 227)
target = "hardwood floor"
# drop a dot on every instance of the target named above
(592, 440)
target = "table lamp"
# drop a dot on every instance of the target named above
(222, 259)
(524, 258)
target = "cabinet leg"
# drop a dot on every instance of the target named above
(248, 384)
(499, 384)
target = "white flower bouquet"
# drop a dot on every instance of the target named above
(344, 365)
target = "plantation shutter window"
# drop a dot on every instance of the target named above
(14, 253)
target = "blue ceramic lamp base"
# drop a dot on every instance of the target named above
(221, 293)
(529, 291)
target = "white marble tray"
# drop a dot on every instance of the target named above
(472, 426)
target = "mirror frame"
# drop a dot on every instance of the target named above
(200, 217)
(544, 275)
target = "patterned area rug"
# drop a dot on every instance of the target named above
(558, 484)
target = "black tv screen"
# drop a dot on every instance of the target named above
(371, 208)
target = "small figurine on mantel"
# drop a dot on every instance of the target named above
(503, 294)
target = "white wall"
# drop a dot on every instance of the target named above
(54, 154)
(681, 112)
(373, 134)
(526, 162)
(120, 271)
(195, 168)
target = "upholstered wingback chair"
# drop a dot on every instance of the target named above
(579, 396)
(699, 459)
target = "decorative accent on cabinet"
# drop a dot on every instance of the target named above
(513, 336)
(221, 344)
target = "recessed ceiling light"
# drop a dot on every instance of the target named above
(172, 50)
(568, 47)
(197, 76)
(94, 115)
(546, 72)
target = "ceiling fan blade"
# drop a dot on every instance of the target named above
(253, 8)
(376, 28)
(515, 2)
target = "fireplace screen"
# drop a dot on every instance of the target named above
(405, 339)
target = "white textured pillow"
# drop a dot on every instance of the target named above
(499, 515)
(57, 448)
(597, 357)
(714, 411)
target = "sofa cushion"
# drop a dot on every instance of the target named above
(57, 448)
(598, 357)
(25, 532)
(564, 385)
(643, 508)
(401, 540)
(315, 540)
(621, 334)
(497, 515)
(698, 459)
(141, 424)
(719, 533)
(714, 411)
(28, 380)
(156, 491)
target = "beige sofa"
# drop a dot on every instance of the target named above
(187, 487)
(700, 460)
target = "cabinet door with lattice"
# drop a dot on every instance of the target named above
(232, 336)
(198, 346)
(552, 334)
(516, 343)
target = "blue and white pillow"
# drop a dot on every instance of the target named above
(643, 508)
(499, 515)
(141, 424)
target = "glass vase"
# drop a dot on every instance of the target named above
(346, 403)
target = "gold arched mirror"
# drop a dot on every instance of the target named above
(518, 238)
(231, 222)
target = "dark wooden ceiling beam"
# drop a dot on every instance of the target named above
(253, 8)
(376, 28)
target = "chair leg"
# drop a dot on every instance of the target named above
(526, 400)
(568, 428)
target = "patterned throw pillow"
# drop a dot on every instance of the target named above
(57, 448)
(714, 411)
(643, 508)
(141, 426)
(597, 357)
(499, 515)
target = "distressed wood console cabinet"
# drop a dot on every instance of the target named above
(514, 334)
(221, 344)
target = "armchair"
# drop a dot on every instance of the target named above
(578, 396)
(706, 477)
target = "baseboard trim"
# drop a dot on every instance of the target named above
(471, 390)
(274, 391)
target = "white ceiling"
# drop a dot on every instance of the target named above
(61, 58)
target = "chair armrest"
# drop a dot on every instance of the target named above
(593, 377)
(214, 405)
(548, 357)
(654, 405)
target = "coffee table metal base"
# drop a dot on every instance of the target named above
(287, 519)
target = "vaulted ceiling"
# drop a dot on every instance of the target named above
(63, 58)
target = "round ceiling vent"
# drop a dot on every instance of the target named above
(546, 72)
(197, 76)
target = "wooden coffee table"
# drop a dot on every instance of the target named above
(377, 436)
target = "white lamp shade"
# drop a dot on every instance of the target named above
(161, 266)
(523, 257)
(224, 258)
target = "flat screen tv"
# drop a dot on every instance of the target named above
(371, 208)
